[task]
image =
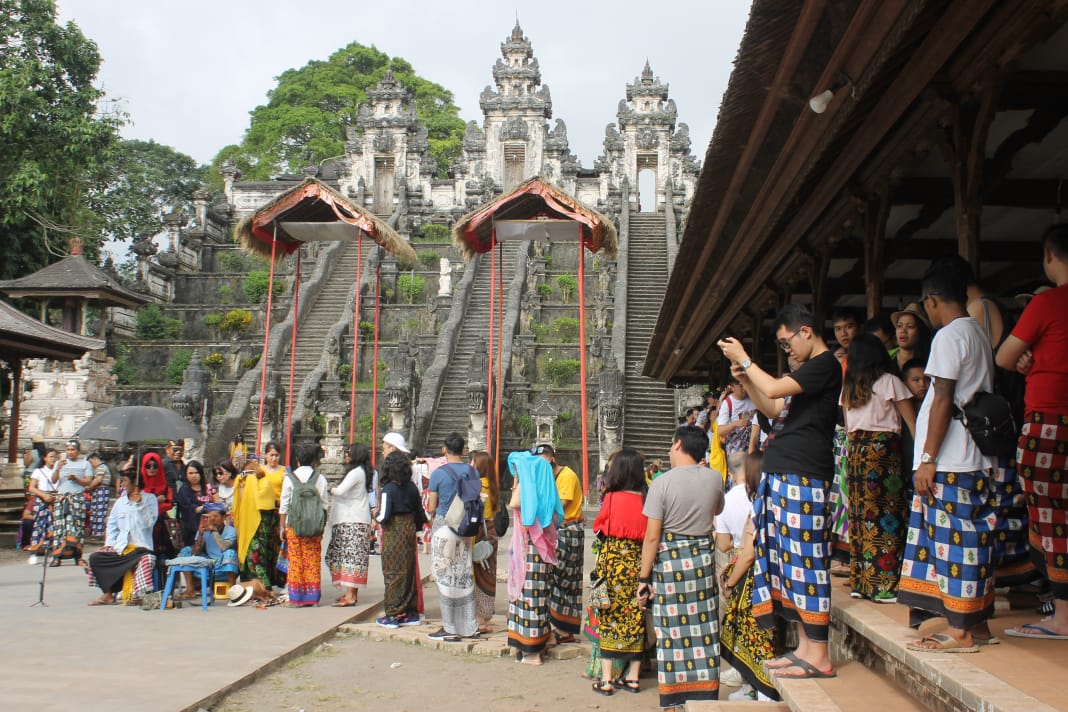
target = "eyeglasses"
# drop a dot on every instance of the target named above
(151, 466)
(785, 343)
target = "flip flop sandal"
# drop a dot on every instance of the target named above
(1043, 633)
(992, 640)
(791, 657)
(809, 671)
(343, 604)
(946, 644)
(98, 602)
(599, 688)
(628, 685)
(564, 639)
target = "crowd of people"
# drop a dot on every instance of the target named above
(868, 459)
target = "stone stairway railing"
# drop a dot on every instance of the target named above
(619, 308)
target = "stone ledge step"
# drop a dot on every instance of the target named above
(1016, 675)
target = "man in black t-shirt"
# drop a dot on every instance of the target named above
(793, 549)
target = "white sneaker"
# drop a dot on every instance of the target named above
(731, 678)
(744, 694)
(761, 697)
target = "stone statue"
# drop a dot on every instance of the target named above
(194, 400)
(444, 277)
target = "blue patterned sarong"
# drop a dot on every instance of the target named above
(792, 553)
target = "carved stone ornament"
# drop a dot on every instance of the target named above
(514, 129)
(383, 142)
(647, 140)
(610, 397)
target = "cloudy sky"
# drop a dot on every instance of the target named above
(188, 73)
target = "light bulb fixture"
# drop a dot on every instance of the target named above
(821, 101)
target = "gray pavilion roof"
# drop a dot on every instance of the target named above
(73, 276)
(23, 336)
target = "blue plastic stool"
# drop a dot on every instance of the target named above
(206, 575)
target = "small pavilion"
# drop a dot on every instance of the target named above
(78, 283)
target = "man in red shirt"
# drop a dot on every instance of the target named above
(1037, 347)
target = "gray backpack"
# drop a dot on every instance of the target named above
(306, 514)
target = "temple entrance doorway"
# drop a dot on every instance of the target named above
(515, 158)
(647, 183)
(383, 185)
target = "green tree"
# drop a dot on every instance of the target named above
(143, 180)
(54, 138)
(307, 115)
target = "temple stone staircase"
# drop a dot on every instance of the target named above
(451, 412)
(313, 330)
(649, 406)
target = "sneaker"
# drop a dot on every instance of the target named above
(388, 622)
(405, 619)
(731, 678)
(477, 635)
(442, 634)
(745, 694)
(884, 597)
(856, 594)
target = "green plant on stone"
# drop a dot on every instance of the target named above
(226, 294)
(540, 331)
(411, 287)
(177, 364)
(367, 329)
(124, 370)
(344, 371)
(232, 262)
(257, 283)
(545, 290)
(152, 324)
(567, 328)
(214, 361)
(564, 416)
(213, 320)
(524, 428)
(562, 371)
(567, 283)
(251, 361)
(429, 259)
(548, 260)
(236, 321)
(435, 233)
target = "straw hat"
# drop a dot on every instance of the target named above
(913, 308)
(1025, 298)
(239, 595)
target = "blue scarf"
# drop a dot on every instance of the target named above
(538, 498)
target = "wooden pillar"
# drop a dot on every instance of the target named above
(967, 156)
(876, 212)
(757, 323)
(818, 266)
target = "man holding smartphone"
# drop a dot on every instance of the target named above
(792, 548)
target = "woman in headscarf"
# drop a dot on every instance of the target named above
(154, 482)
(126, 561)
(256, 518)
(536, 512)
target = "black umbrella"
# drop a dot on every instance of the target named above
(137, 423)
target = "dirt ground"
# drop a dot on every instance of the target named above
(360, 674)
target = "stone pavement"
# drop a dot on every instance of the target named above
(68, 655)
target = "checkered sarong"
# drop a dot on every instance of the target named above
(1012, 555)
(528, 616)
(1043, 458)
(838, 497)
(565, 595)
(686, 619)
(137, 581)
(792, 553)
(948, 569)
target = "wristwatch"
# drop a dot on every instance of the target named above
(926, 459)
(746, 364)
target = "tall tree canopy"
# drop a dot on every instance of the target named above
(142, 181)
(54, 139)
(307, 115)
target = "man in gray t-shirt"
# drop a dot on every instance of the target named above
(678, 572)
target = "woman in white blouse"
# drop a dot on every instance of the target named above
(350, 535)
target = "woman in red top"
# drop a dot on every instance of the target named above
(155, 482)
(1037, 347)
(621, 528)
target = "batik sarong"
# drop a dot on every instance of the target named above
(948, 569)
(686, 619)
(129, 572)
(1012, 555)
(99, 499)
(69, 512)
(348, 553)
(878, 512)
(528, 615)
(565, 595)
(1043, 458)
(399, 566)
(43, 526)
(743, 643)
(838, 498)
(792, 553)
(622, 624)
(450, 561)
(486, 578)
(262, 557)
(304, 578)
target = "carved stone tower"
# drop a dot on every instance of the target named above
(516, 114)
